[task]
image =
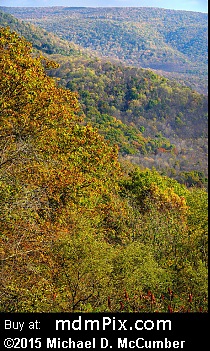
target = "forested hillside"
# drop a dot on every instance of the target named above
(154, 121)
(81, 231)
(172, 42)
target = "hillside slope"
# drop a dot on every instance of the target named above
(154, 121)
(80, 231)
(172, 42)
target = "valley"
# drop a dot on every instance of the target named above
(103, 163)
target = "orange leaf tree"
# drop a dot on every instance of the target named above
(54, 171)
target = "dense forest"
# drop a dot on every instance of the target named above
(155, 122)
(172, 42)
(83, 229)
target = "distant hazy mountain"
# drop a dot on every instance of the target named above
(154, 121)
(172, 42)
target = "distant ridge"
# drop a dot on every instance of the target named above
(174, 43)
(155, 122)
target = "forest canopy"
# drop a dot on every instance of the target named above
(154, 121)
(175, 43)
(80, 230)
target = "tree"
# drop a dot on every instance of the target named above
(52, 170)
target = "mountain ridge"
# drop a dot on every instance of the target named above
(81, 230)
(153, 120)
(172, 42)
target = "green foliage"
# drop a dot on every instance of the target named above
(172, 42)
(193, 178)
(41, 39)
(79, 230)
(153, 121)
(138, 271)
(83, 265)
(138, 128)
(51, 167)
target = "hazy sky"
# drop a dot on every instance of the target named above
(189, 5)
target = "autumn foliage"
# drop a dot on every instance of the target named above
(78, 231)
